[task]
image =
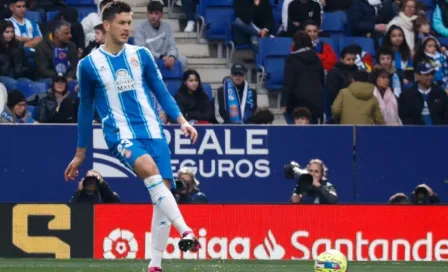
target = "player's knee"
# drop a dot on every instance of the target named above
(145, 167)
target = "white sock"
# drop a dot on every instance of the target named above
(164, 199)
(160, 230)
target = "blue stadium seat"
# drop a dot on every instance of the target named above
(334, 23)
(33, 16)
(273, 53)
(167, 74)
(365, 43)
(208, 90)
(333, 42)
(443, 40)
(32, 110)
(80, 2)
(131, 40)
(72, 85)
(429, 3)
(31, 88)
(216, 17)
(173, 86)
(50, 15)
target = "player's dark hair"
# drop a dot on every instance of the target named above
(349, 50)
(114, 8)
(301, 112)
(15, 1)
(100, 27)
(154, 6)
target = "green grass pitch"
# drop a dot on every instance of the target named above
(40, 265)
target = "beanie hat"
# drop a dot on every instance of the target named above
(14, 98)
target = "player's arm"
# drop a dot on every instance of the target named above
(85, 118)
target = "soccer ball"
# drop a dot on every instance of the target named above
(331, 261)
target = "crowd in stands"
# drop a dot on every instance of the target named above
(401, 79)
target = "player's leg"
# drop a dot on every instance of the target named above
(160, 230)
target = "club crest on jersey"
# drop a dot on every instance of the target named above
(134, 62)
(124, 81)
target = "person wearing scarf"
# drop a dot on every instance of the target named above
(386, 99)
(235, 102)
(16, 110)
(430, 51)
(405, 19)
(324, 51)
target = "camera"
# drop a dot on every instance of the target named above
(180, 184)
(304, 180)
(91, 185)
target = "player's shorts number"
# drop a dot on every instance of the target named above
(123, 146)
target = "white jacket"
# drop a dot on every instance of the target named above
(88, 24)
(407, 24)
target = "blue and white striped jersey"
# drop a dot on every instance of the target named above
(120, 86)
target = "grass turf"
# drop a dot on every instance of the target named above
(40, 265)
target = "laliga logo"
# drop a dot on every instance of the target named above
(120, 244)
(107, 165)
(269, 250)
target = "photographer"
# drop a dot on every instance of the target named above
(423, 194)
(187, 190)
(93, 189)
(312, 185)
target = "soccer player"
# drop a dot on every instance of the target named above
(117, 79)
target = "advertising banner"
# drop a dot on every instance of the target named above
(46, 231)
(281, 232)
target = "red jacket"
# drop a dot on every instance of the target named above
(327, 56)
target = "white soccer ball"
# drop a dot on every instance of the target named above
(331, 261)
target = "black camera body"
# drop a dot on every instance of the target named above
(304, 180)
(180, 184)
(91, 185)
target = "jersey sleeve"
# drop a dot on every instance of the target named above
(154, 80)
(86, 105)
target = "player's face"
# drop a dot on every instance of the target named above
(18, 9)
(192, 83)
(312, 31)
(8, 34)
(120, 28)
(315, 170)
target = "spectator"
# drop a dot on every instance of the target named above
(235, 102)
(356, 105)
(91, 21)
(385, 59)
(26, 31)
(285, 6)
(189, 11)
(380, 77)
(399, 198)
(13, 62)
(16, 109)
(340, 76)
(422, 29)
(429, 51)
(158, 36)
(254, 19)
(70, 15)
(44, 6)
(4, 9)
(370, 17)
(59, 105)
(187, 188)
(324, 51)
(94, 189)
(440, 18)
(424, 103)
(263, 116)
(57, 54)
(300, 11)
(322, 191)
(302, 116)
(402, 54)
(100, 37)
(193, 102)
(423, 194)
(303, 79)
(405, 19)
